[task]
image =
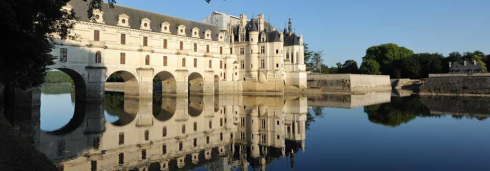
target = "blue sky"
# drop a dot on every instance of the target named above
(344, 29)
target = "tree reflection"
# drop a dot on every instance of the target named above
(401, 110)
(114, 103)
(317, 111)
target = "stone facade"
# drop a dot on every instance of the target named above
(457, 84)
(189, 56)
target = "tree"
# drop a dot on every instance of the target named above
(430, 63)
(27, 32)
(452, 57)
(386, 55)
(307, 57)
(317, 60)
(370, 66)
(325, 69)
(477, 56)
(349, 66)
(409, 67)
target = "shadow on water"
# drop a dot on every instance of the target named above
(402, 110)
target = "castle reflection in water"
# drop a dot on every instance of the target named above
(168, 133)
(225, 132)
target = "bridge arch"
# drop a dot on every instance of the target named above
(80, 94)
(124, 80)
(78, 81)
(164, 107)
(196, 83)
(119, 109)
(196, 106)
(168, 82)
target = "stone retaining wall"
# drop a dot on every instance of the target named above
(349, 82)
(457, 84)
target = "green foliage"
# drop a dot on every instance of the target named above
(27, 32)
(115, 78)
(308, 54)
(57, 77)
(370, 66)
(57, 88)
(349, 66)
(386, 55)
(114, 103)
(325, 69)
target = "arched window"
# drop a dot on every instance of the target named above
(292, 57)
(147, 60)
(181, 45)
(98, 57)
(183, 62)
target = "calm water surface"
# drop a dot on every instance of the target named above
(363, 132)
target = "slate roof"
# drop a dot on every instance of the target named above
(291, 40)
(470, 67)
(273, 36)
(135, 16)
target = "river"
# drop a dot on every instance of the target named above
(376, 131)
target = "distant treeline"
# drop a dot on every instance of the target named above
(57, 77)
(396, 61)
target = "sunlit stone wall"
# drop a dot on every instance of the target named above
(349, 82)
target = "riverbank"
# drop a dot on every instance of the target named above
(17, 153)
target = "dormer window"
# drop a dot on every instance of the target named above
(165, 27)
(123, 20)
(98, 16)
(195, 32)
(181, 29)
(145, 24)
(208, 34)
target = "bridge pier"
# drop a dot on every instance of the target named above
(182, 82)
(94, 117)
(145, 113)
(146, 82)
(208, 87)
(95, 84)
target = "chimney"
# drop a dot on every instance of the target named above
(261, 21)
(465, 63)
(243, 19)
(450, 65)
(474, 62)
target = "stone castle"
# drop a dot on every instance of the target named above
(223, 54)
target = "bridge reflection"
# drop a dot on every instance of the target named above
(168, 133)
